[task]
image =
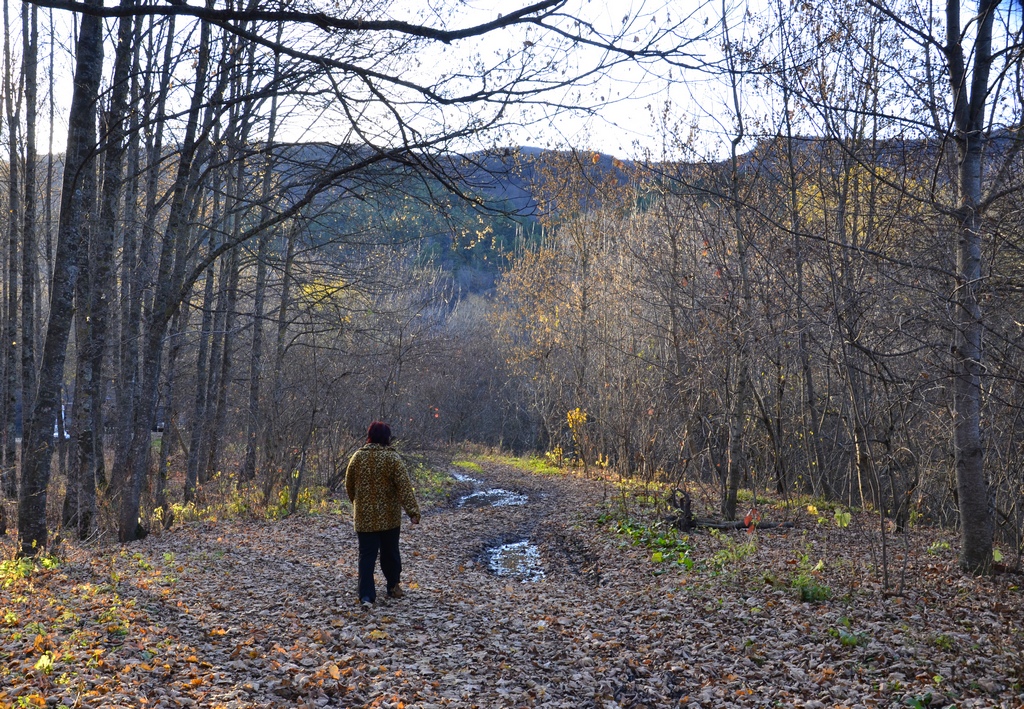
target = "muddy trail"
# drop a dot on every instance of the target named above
(492, 617)
(517, 596)
(266, 614)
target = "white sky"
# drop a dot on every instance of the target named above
(627, 103)
(628, 117)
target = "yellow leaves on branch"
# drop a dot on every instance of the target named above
(323, 293)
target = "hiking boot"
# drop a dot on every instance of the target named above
(396, 592)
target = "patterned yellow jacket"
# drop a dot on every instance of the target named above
(378, 486)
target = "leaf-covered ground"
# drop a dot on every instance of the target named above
(258, 614)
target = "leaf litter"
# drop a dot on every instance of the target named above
(261, 614)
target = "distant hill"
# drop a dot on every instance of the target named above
(464, 214)
(525, 177)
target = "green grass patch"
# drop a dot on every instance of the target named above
(468, 465)
(849, 638)
(745, 496)
(532, 464)
(811, 591)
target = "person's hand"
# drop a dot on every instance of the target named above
(415, 520)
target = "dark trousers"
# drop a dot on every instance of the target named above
(370, 544)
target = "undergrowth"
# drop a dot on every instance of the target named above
(432, 485)
(731, 551)
(14, 570)
(665, 541)
(806, 581)
(246, 502)
(220, 502)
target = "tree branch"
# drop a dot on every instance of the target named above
(530, 14)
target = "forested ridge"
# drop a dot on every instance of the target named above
(236, 234)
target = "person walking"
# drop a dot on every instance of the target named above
(378, 485)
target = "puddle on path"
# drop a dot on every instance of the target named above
(494, 497)
(517, 559)
(463, 478)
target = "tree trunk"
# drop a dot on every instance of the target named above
(80, 501)
(976, 516)
(76, 199)
(272, 433)
(222, 368)
(197, 446)
(164, 305)
(977, 519)
(29, 263)
(48, 237)
(810, 434)
(200, 436)
(741, 393)
(253, 420)
(10, 341)
(169, 437)
(136, 273)
(213, 372)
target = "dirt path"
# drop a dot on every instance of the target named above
(463, 635)
(248, 614)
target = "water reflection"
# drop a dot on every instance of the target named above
(517, 559)
(495, 497)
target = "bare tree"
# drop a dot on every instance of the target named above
(971, 94)
(94, 301)
(76, 197)
(247, 470)
(10, 346)
(741, 321)
(29, 246)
